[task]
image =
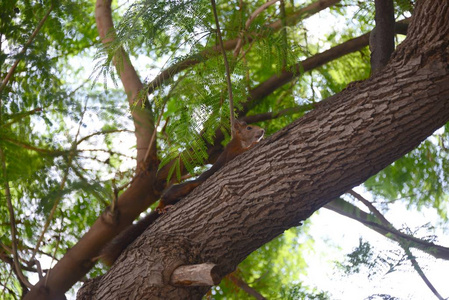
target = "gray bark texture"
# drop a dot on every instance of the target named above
(288, 176)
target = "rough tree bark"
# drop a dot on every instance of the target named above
(348, 138)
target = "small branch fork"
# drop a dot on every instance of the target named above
(402, 242)
(248, 24)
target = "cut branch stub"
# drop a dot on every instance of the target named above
(195, 275)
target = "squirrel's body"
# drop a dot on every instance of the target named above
(244, 137)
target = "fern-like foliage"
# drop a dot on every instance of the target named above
(196, 109)
(195, 104)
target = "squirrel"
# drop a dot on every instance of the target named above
(244, 137)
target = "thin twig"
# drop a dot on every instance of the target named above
(228, 75)
(371, 207)
(153, 136)
(77, 88)
(103, 150)
(20, 116)
(39, 269)
(5, 283)
(292, 18)
(245, 287)
(39, 150)
(61, 187)
(58, 241)
(103, 132)
(17, 267)
(25, 47)
(284, 34)
(248, 23)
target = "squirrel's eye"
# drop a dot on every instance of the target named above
(249, 128)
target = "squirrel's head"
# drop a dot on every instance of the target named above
(248, 135)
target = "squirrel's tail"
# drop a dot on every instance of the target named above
(114, 248)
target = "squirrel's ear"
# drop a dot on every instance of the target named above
(238, 123)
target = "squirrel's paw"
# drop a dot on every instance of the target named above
(163, 210)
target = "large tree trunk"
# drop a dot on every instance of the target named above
(290, 175)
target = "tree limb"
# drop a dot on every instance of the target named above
(142, 116)
(353, 212)
(141, 193)
(274, 82)
(404, 245)
(382, 36)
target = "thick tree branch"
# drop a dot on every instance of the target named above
(141, 193)
(276, 81)
(81, 258)
(142, 116)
